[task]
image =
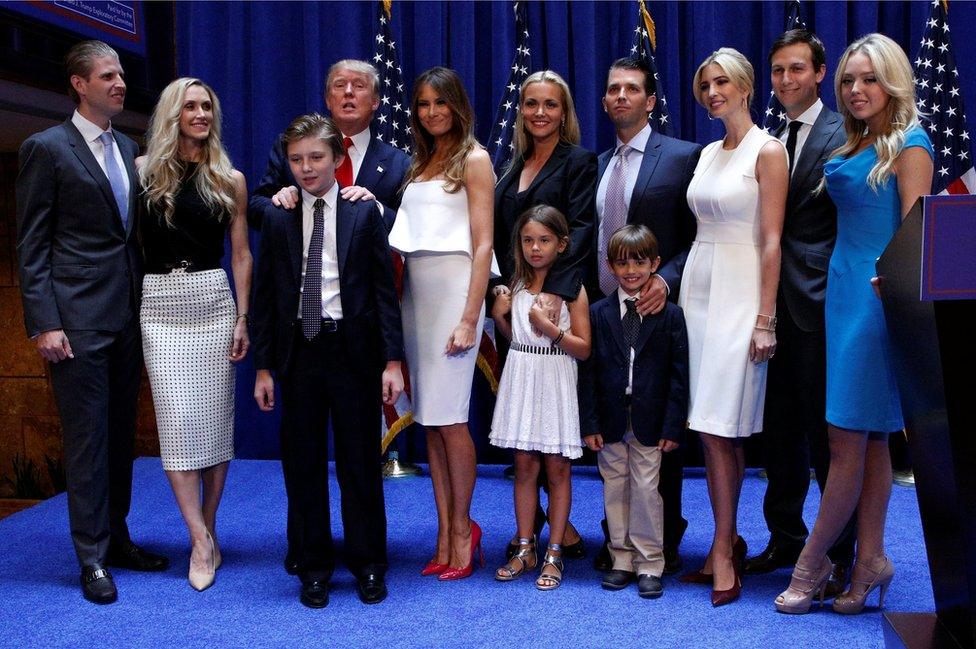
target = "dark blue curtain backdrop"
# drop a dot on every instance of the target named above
(267, 61)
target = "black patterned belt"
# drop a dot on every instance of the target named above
(532, 349)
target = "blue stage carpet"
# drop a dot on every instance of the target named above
(254, 603)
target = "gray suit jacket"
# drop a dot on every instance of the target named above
(79, 267)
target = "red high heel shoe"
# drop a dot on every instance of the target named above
(460, 573)
(434, 568)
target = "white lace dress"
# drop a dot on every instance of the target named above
(537, 407)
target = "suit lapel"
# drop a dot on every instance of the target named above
(648, 325)
(602, 162)
(80, 148)
(295, 241)
(345, 225)
(652, 153)
(554, 162)
(611, 311)
(373, 165)
(814, 148)
(130, 168)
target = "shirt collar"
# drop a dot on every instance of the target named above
(639, 141)
(810, 115)
(89, 131)
(330, 198)
(622, 297)
(360, 140)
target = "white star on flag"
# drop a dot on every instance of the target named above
(390, 116)
(500, 140)
(776, 119)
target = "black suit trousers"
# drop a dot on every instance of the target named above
(795, 433)
(96, 392)
(323, 384)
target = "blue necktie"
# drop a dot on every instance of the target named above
(115, 177)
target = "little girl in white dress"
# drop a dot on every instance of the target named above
(537, 412)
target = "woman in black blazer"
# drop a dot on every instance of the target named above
(548, 167)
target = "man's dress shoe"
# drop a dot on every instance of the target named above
(315, 594)
(97, 585)
(371, 588)
(129, 555)
(772, 558)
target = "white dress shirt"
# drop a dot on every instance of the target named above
(807, 118)
(356, 152)
(331, 304)
(622, 296)
(90, 133)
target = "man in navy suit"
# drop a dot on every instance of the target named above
(352, 95)
(643, 180)
(326, 322)
(81, 279)
(795, 434)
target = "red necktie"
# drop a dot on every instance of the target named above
(344, 171)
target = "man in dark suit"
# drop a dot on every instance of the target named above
(326, 321)
(643, 179)
(795, 434)
(352, 95)
(81, 278)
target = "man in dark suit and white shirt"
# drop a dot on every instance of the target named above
(643, 179)
(795, 434)
(81, 279)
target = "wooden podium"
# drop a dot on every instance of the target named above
(928, 288)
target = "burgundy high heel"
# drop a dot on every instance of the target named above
(452, 574)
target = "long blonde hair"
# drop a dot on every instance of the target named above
(160, 176)
(446, 83)
(569, 130)
(894, 74)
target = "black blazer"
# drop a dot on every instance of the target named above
(659, 201)
(810, 226)
(567, 182)
(79, 268)
(659, 403)
(381, 172)
(371, 324)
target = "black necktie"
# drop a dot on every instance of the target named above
(791, 144)
(312, 290)
(631, 323)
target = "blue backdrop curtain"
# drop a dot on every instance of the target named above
(267, 61)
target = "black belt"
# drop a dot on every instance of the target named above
(329, 326)
(184, 265)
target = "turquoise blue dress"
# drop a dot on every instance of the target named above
(861, 389)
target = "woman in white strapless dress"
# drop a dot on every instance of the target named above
(444, 230)
(728, 294)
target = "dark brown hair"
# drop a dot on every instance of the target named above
(632, 241)
(80, 60)
(315, 125)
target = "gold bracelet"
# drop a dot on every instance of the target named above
(242, 316)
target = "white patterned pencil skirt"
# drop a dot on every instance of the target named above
(187, 329)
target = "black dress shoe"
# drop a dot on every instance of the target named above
(97, 585)
(618, 579)
(129, 555)
(672, 561)
(315, 594)
(837, 582)
(371, 589)
(291, 565)
(775, 556)
(649, 587)
(574, 550)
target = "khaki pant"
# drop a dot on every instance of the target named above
(634, 508)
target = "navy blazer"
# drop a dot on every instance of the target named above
(567, 181)
(371, 324)
(79, 267)
(659, 201)
(659, 403)
(810, 226)
(382, 172)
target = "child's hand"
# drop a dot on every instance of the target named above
(594, 442)
(667, 445)
(539, 319)
(502, 306)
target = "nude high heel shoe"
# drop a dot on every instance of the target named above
(203, 579)
(797, 599)
(850, 603)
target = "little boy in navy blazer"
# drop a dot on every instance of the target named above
(634, 407)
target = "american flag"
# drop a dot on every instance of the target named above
(645, 43)
(500, 141)
(391, 123)
(775, 117)
(940, 102)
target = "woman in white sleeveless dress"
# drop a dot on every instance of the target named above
(444, 230)
(728, 293)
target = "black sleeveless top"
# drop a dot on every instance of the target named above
(195, 241)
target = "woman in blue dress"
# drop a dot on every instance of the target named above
(874, 179)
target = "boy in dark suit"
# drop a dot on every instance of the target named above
(633, 408)
(327, 322)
